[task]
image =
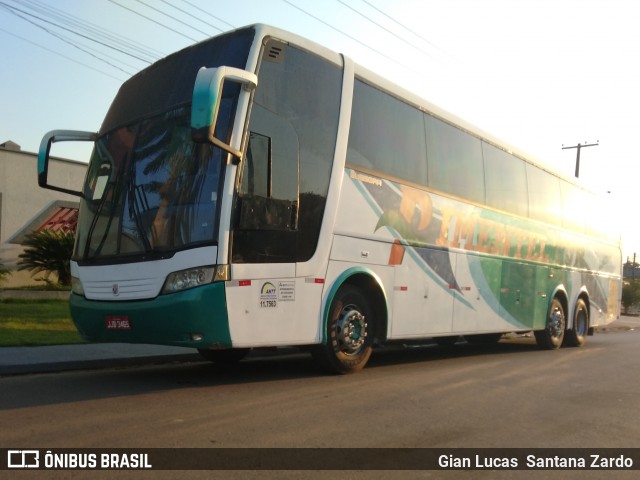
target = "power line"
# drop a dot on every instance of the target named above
(208, 14)
(171, 17)
(347, 35)
(385, 29)
(154, 21)
(14, 10)
(60, 54)
(191, 15)
(402, 25)
(106, 55)
(94, 31)
(72, 22)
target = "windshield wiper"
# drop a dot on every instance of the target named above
(110, 186)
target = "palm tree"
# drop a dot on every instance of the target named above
(48, 251)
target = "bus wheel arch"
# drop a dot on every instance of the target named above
(355, 318)
(576, 336)
(372, 289)
(552, 336)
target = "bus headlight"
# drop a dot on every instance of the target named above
(76, 286)
(190, 278)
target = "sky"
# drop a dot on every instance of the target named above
(539, 74)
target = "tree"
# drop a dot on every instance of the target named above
(630, 294)
(4, 273)
(50, 252)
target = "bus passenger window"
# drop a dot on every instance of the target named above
(545, 202)
(455, 161)
(386, 135)
(512, 195)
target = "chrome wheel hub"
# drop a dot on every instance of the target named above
(351, 330)
(556, 323)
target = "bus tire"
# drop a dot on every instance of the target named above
(577, 336)
(349, 332)
(551, 337)
(227, 356)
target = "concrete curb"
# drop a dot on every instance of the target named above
(56, 358)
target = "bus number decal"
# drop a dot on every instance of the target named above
(268, 295)
(271, 295)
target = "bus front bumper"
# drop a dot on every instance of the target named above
(192, 318)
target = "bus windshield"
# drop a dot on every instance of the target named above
(150, 191)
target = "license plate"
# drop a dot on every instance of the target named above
(117, 323)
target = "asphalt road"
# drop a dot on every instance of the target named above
(507, 395)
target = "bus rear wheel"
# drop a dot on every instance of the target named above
(551, 337)
(349, 339)
(577, 336)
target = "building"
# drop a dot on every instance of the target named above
(25, 207)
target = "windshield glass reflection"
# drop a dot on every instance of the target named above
(149, 190)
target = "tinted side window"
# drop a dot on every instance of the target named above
(505, 181)
(386, 135)
(545, 202)
(268, 190)
(455, 161)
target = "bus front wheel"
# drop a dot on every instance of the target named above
(551, 337)
(349, 338)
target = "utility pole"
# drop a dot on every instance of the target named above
(578, 147)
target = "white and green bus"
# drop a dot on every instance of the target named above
(258, 190)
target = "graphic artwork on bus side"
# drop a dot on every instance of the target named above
(433, 227)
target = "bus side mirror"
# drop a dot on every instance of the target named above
(43, 155)
(207, 94)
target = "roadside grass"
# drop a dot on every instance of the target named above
(36, 322)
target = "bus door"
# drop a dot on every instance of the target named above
(266, 213)
(281, 191)
(261, 295)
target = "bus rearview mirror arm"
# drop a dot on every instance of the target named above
(207, 94)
